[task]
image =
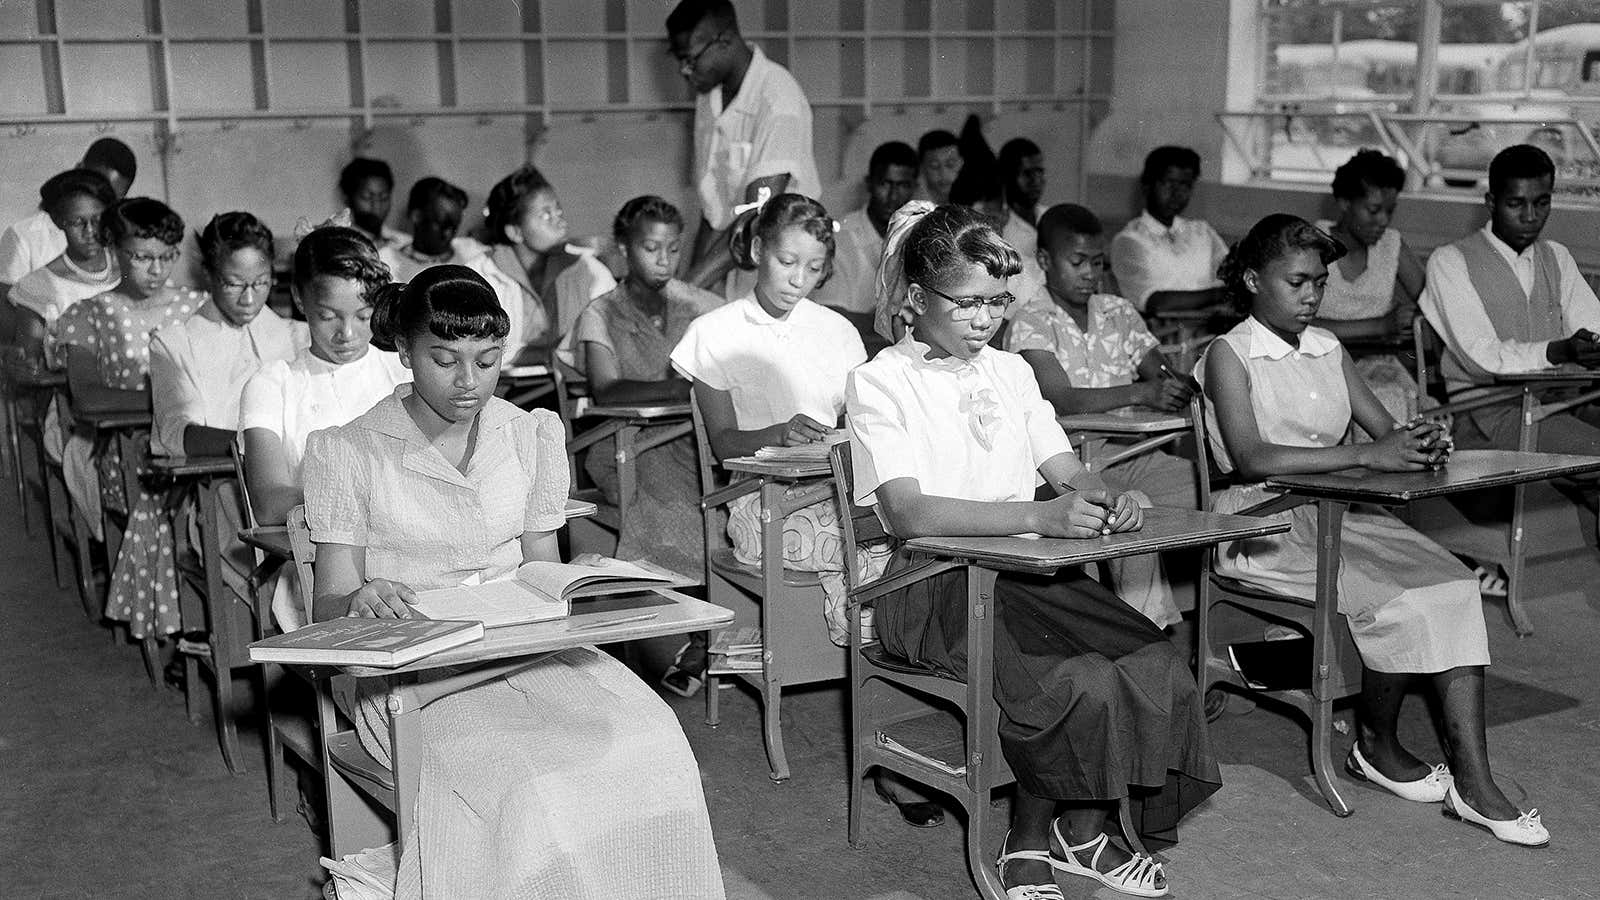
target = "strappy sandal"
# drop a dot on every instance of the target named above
(1027, 891)
(1491, 582)
(1137, 876)
(681, 680)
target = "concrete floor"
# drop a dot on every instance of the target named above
(107, 791)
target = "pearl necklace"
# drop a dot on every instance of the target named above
(105, 275)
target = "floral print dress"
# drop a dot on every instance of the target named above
(144, 576)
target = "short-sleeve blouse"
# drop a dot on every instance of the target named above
(118, 332)
(377, 483)
(1108, 355)
(970, 429)
(293, 398)
(642, 348)
(773, 368)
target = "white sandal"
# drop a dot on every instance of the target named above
(1027, 891)
(1137, 876)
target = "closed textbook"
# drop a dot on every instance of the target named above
(540, 590)
(351, 641)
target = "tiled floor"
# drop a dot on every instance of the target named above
(107, 791)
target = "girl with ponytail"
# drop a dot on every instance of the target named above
(952, 437)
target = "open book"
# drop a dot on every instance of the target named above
(365, 642)
(540, 590)
(817, 451)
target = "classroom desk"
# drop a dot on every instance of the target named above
(32, 387)
(526, 378)
(627, 422)
(1187, 325)
(1534, 409)
(985, 558)
(796, 649)
(350, 772)
(119, 426)
(1150, 428)
(219, 618)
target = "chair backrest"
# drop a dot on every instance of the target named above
(571, 402)
(1202, 450)
(240, 467)
(1428, 348)
(305, 558)
(702, 448)
(857, 524)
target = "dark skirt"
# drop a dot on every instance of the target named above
(1095, 703)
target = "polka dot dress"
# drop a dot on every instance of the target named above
(144, 578)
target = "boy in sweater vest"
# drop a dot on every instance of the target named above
(1505, 301)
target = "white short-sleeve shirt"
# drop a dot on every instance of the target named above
(292, 398)
(765, 131)
(28, 244)
(198, 370)
(969, 429)
(1147, 256)
(773, 368)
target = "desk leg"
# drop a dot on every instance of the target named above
(1330, 519)
(1529, 441)
(772, 593)
(983, 727)
(218, 606)
(627, 472)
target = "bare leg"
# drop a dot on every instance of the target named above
(1460, 693)
(1382, 694)
(1030, 830)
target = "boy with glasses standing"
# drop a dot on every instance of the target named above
(752, 129)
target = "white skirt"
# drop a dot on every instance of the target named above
(1411, 606)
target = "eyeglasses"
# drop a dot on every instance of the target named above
(693, 59)
(967, 307)
(235, 289)
(145, 260)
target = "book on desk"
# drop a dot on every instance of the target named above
(350, 641)
(816, 451)
(538, 591)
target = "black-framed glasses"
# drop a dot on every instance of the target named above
(691, 60)
(967, 307)
(146, 260)
(235, 289)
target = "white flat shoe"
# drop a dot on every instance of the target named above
(1026, 891)
(1430, 788)
(1525, 830)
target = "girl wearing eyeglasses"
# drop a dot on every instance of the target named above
(769, 370)
(75, 200)
(952, 437)
(106, 343)
(199, 366)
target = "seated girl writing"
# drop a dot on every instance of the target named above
(569, 778)
(952, 437)
(1282, 395)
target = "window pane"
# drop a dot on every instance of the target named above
(1375, 60)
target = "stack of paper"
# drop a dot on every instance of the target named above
(736, 650)
(817, 451)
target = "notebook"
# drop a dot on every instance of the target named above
(816, 451)
(350, 641)
(540, 590)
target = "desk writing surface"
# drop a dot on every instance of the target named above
(36, 377)
(1165, 528)
(193, 465)
(675, 613)
(1133, 421)
(783, 471)
(1467, 470)
(578, 509)
(639, 411)
(126, 418)
(1186, 315)
(1571, 373)
(525, 372)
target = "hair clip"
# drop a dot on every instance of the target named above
(835, 223)
(762, 196)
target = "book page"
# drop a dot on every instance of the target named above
(565, 580)
(494, 603)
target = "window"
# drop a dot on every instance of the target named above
(1336, 75)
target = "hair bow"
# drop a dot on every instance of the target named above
(892, 286)
(304, 226)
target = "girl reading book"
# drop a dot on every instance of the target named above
(568, 779)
